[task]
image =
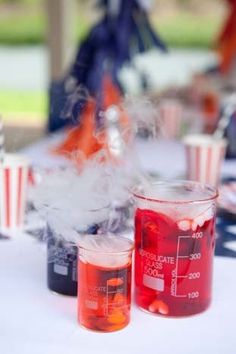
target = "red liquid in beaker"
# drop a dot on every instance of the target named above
(173, 264)
(104, 296)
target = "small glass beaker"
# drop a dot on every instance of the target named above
(104, 278)
(174, 247)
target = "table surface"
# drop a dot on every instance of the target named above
(35, 320)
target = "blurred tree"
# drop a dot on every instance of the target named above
(20, 1)
(10, 1)
(123, 31)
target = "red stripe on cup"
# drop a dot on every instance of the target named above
(19, 196)
(31, 177)
(7, 196)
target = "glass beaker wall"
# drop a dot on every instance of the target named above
(174, 247)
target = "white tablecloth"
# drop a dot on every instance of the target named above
(35, 321)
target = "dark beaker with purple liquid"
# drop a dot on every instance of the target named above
(62, 263)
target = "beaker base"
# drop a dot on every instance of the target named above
(97, 330)
(158, 314)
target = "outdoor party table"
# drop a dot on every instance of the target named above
(35, 320)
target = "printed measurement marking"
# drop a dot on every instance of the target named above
(93, 305)
(153, 283)
(177, 266)
(60, 269)
(107, 298)
(180, 295)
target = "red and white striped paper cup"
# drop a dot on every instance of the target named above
(13, 189)
(204, 156)
(171, 114)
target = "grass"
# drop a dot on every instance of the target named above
(189, 31)
(19, 29)
(26, 105)
(30, 30)
(182, 29)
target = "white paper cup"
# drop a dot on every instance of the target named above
(204, 156)
(13, 189)
(171, 114)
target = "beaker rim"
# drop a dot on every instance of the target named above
(81, 244)
(211, 193)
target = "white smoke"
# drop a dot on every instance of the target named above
(95, 190)
(72, 200)
(144, 115)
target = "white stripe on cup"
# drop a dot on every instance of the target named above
(214, 172)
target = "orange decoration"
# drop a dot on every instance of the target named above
(226, 43)
(81, 138)
(84, 139)
(115, 282)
